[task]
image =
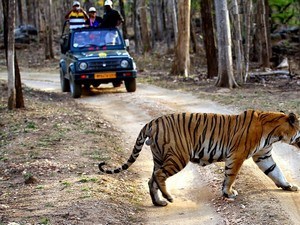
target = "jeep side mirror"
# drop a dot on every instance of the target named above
(64, 44)
(127, 42)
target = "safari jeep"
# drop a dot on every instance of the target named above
(94, 56)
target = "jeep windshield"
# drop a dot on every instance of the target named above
(96, 39)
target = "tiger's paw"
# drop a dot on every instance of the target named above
(291, 188)
(160, 203)
(231, 195)
(168, 197)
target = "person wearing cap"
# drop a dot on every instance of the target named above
(76, 16)
(111, 17)
(94, 20)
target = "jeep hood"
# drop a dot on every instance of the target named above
(101, 54)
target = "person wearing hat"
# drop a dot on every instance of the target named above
(76, 16)
(111, 17)
(94, 20)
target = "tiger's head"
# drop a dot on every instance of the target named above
(284, 126)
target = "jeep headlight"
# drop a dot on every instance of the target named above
(124, 63)
(83, 65)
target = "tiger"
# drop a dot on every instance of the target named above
(204, 138)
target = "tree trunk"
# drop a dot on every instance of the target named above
(50, 33)
(11, 54)
(193, 34)
(136, 25)
(153, 23)
(30, 12)
(18, 85)
(44, 32)
(159, 22)
(263, 37)
(14, 78)
(181, 65)
(168, 24)
(144, 27)
(20, 12)
(239, 60)
(209, 38)
(268, 25)
(124, 24)
(172, 6)
(225, 72)
(248, 10)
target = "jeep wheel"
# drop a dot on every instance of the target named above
(75, 88)
(64, 83)
(96, 84)
(117, 83)
(130, 85)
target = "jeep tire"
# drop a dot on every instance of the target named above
(74, 87)
(130, 85)
(64, 83)
(117, 83)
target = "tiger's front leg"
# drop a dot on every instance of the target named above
(267, 164)
(232, 168)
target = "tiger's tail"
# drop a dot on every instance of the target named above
(143, 135)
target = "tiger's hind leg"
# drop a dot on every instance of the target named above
(160, 176)
(153, 188)
(158, 182)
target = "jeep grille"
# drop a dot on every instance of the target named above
(104, 65)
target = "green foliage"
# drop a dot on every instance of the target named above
(66, 183)
(87, 179)
(45, 221)
(27, 176)
(31, 125)
(3, 156)
(195, 5)
(285, 11)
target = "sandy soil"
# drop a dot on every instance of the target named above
(66, 188)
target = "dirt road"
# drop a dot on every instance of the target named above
(196, 190)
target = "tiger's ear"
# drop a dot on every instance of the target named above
(292, 118)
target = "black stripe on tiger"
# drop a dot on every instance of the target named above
(270, 169)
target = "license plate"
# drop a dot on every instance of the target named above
(105, 75)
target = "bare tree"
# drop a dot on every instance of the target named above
(136, 25)
(50, 31)
(144, 27)
(264, 50)
(124, 25)
(30, 12)
(209, 38)
(172, 7)
(225, 71)
(248, 10)
(238, 47)
(181, 64)
(194, 44)
(157, 31)
(14, 77)
(10, 22)
(20, 11)
(46, 12)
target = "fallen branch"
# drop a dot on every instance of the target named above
(275, 72)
